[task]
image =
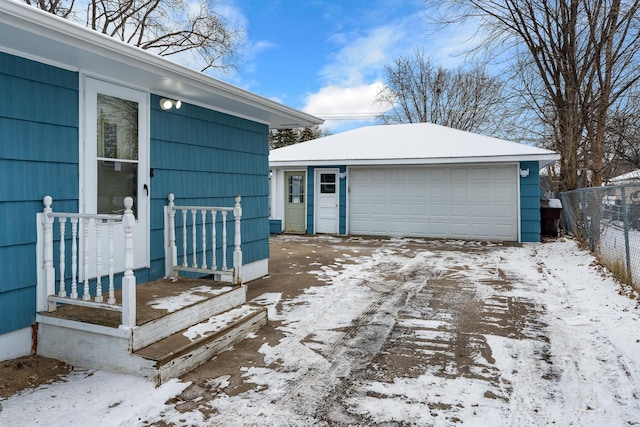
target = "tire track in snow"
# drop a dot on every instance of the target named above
(317, 394)
(313, 395)
(591, 377)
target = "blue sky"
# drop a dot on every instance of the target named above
(327, 57)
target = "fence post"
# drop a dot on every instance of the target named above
(129, 280)
(625, 219)
(237, 240)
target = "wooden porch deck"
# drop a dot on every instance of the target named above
(179, 325)
(153, 300)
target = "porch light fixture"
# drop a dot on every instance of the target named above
(167, 104)
(524, 173)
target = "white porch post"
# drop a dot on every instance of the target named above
(237, 251)
(48, 272)
(129, 280)
(170, 250)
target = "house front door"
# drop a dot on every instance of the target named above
(327, 203)
(294, 211)
(116, 163)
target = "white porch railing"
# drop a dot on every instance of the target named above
(193, 252)
(80, 261)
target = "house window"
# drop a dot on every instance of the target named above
(296, 189)
(117, 152)
(328, 183)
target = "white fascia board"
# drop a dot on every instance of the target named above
(542, 159)
(41, 35)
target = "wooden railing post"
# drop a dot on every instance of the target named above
(237, 240)
(49, 271)
(129, 280)
(171, 252)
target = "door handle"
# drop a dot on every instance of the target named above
(146, 189)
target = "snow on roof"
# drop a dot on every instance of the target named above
(415, 143)
(627, 177)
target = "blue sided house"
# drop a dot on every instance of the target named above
(87, 121)
(420, 180)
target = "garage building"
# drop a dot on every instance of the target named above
(417, 180)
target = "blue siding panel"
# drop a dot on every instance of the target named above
(17, 309)
(24, 140)
(205, 158)
(38, 157)
(311, 206)
(35, 71)
(38, 101)
(275, 226)
(530, 203)
(342, 224)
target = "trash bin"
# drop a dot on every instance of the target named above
(550, 210)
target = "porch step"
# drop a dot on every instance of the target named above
(189, 348)
(180, 325)
(217, 301)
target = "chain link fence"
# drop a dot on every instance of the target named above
(607, 220)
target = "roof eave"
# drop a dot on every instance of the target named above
(542, 159)
(43, 36)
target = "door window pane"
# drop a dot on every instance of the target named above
(117, 128)
(117, 153)
(328, 183)
(296, 189)
(116, 180)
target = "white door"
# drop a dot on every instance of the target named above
(466, 202)
(116, 162)
(327, 201)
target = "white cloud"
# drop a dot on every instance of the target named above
(363, 56)
(353, 77)
(345, 106)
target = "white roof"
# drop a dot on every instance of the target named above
(34, 34)
(417, 143)
(632, 176)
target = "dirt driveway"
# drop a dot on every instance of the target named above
(414, 332)
(405, 328)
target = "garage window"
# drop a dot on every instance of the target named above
(328, 183)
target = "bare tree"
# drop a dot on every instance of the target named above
(584, 56)
(417, 91)
(60, 8)
(166, 27)
(623, 134)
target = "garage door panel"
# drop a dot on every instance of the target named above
(437, 191)
(481, 174)
(481, 211)
(503, 232)
(482, 193)
(459, 174)
(459, 210)
(478, 202)
(482, 230)
(459, 191)
(504, 173)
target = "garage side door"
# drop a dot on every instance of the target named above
(466, 202)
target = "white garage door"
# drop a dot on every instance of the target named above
(467, 202)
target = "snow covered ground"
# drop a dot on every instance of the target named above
(439, 333)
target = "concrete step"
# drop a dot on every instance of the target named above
(189, 348)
